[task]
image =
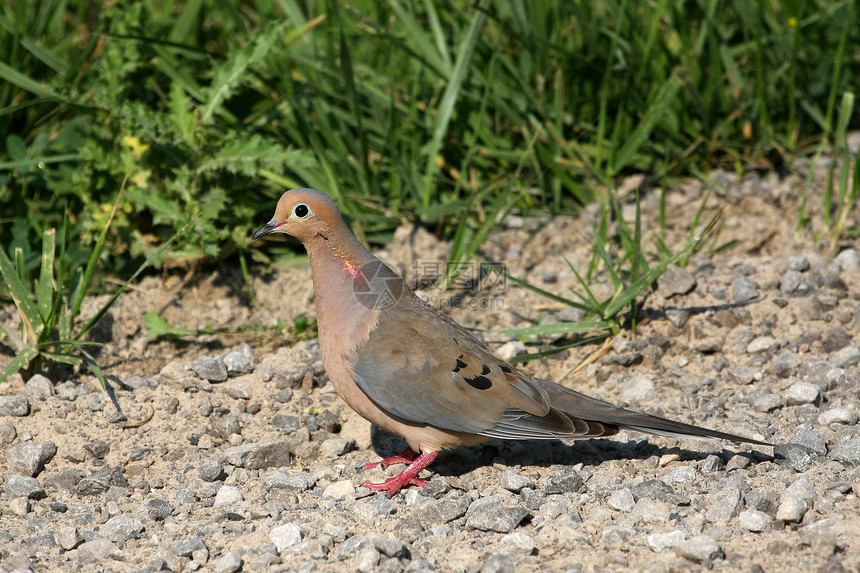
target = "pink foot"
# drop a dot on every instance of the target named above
(409, 476)
(407, 456)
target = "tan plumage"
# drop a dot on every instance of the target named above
(413, 371)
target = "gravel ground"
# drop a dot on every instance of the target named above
(240, 457)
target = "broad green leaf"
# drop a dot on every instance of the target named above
(159, 327)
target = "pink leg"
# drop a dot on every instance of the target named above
(409, 476)
(407, 456)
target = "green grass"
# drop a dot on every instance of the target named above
(447, 113)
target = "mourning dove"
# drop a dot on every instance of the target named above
(413, 371)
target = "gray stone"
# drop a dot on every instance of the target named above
(335, 447)
(101, 482)
(445, 510)
(7, 433)
(616, 536)
(230, 562)
(159, 509)
(792, 509)
(211, 472)
(498, 563)
(20, 506)
(743, 289)
(513, 480)
(847, 451)
(621, 500)
(259, 456)
(678, 317)
(637, 390)
(653, 489)
(286, 422)
(802, 393)
(225, 426)
(758, 501)
(681, 474)
(754, 520)
(675, 281)
(569, 482)
(726, 504)
(185, 496)
(65, 480)
(228, 495)
(97, 551)
(657, 542)
(767, 402)
(292, 481)
(490, 514)
(810, 439)
(376, 506)
(350, 546)
(29, 458)
(98, 449)
(762, 344)
(339, 490)
(517, 543)
(799, 264)
(366, 560)
(211, 368)
(17, 406)
(392, 548)
(24, 486)
(800, 488)
(122, 528)
(795, 456)
(188, 547)
(39, 388)
(847, 259)
(285, 536)
(742, 374)
(700, 549)
(69, 537)
(783, 364)
(238, 363)
(846, 357)
(737, 462)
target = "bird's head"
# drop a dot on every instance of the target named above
(305, 214)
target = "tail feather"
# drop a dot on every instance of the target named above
(604, 418)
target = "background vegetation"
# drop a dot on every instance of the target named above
(446, 112)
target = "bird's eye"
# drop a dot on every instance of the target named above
(301, 211)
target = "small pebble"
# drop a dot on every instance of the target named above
(802, 393)
(228, 495)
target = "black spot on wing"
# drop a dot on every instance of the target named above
(460, 364)
(479, 382)
(505, 368)
(485, 370)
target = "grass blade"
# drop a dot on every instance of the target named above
(665, 95)
(20, 361)
(155, 254)
(446, 108)
(20, 295)
(45, 294)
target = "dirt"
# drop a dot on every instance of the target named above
(167, 486)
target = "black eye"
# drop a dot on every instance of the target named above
(301, 211)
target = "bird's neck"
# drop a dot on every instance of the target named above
(336, 264)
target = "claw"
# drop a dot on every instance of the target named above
(409, 476)
(407, 456)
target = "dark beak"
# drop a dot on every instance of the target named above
(266, 229)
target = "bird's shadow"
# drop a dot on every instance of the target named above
(546, 453)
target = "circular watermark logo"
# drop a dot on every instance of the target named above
(376, 286)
